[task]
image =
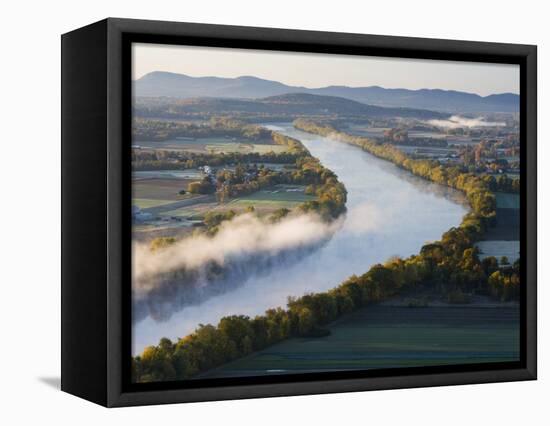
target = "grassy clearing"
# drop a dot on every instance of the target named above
(390, 337)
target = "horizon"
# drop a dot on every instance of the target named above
(301, 69)
(322, 87)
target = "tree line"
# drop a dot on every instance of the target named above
(218, 126)
(144, 129)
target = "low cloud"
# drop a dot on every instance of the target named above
(240, 239)
(457, 121)
(365, 218)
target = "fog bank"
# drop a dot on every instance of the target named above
(198, 267)
(457, 121)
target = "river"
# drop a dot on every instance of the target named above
(390, 213)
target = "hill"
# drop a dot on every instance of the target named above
(158, 84)
(289, 105)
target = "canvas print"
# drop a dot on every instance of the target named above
(300, 213)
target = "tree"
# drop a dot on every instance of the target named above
(160, 243)
(305, 321)
(279, 214)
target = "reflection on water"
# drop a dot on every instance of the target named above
(390, 213)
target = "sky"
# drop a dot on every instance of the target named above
(314, 70)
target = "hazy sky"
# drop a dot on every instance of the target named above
(318, 70)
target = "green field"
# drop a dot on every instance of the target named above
(392, 337)
(280, 196)
(264, 202)
(507, 200)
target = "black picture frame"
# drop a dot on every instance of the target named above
(96, 227)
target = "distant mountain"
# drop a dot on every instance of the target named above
(289, 105)
(323, 105)
(434, 99)
(159, 83)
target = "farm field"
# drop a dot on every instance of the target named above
(366, 131)
(146, 203)
(388, 337)
(149, 193)
(214, 145)
(167, 174)
(264, 201)
(280, 195)
(146, 232)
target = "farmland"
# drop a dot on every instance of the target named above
(389, 337)
(157, 193)
(264, 201)
(150, 193)
(212, 145)
(280, 196)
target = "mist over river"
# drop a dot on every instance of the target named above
(390, 212)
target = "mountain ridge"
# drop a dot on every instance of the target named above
(169, 84)
(288, 104)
